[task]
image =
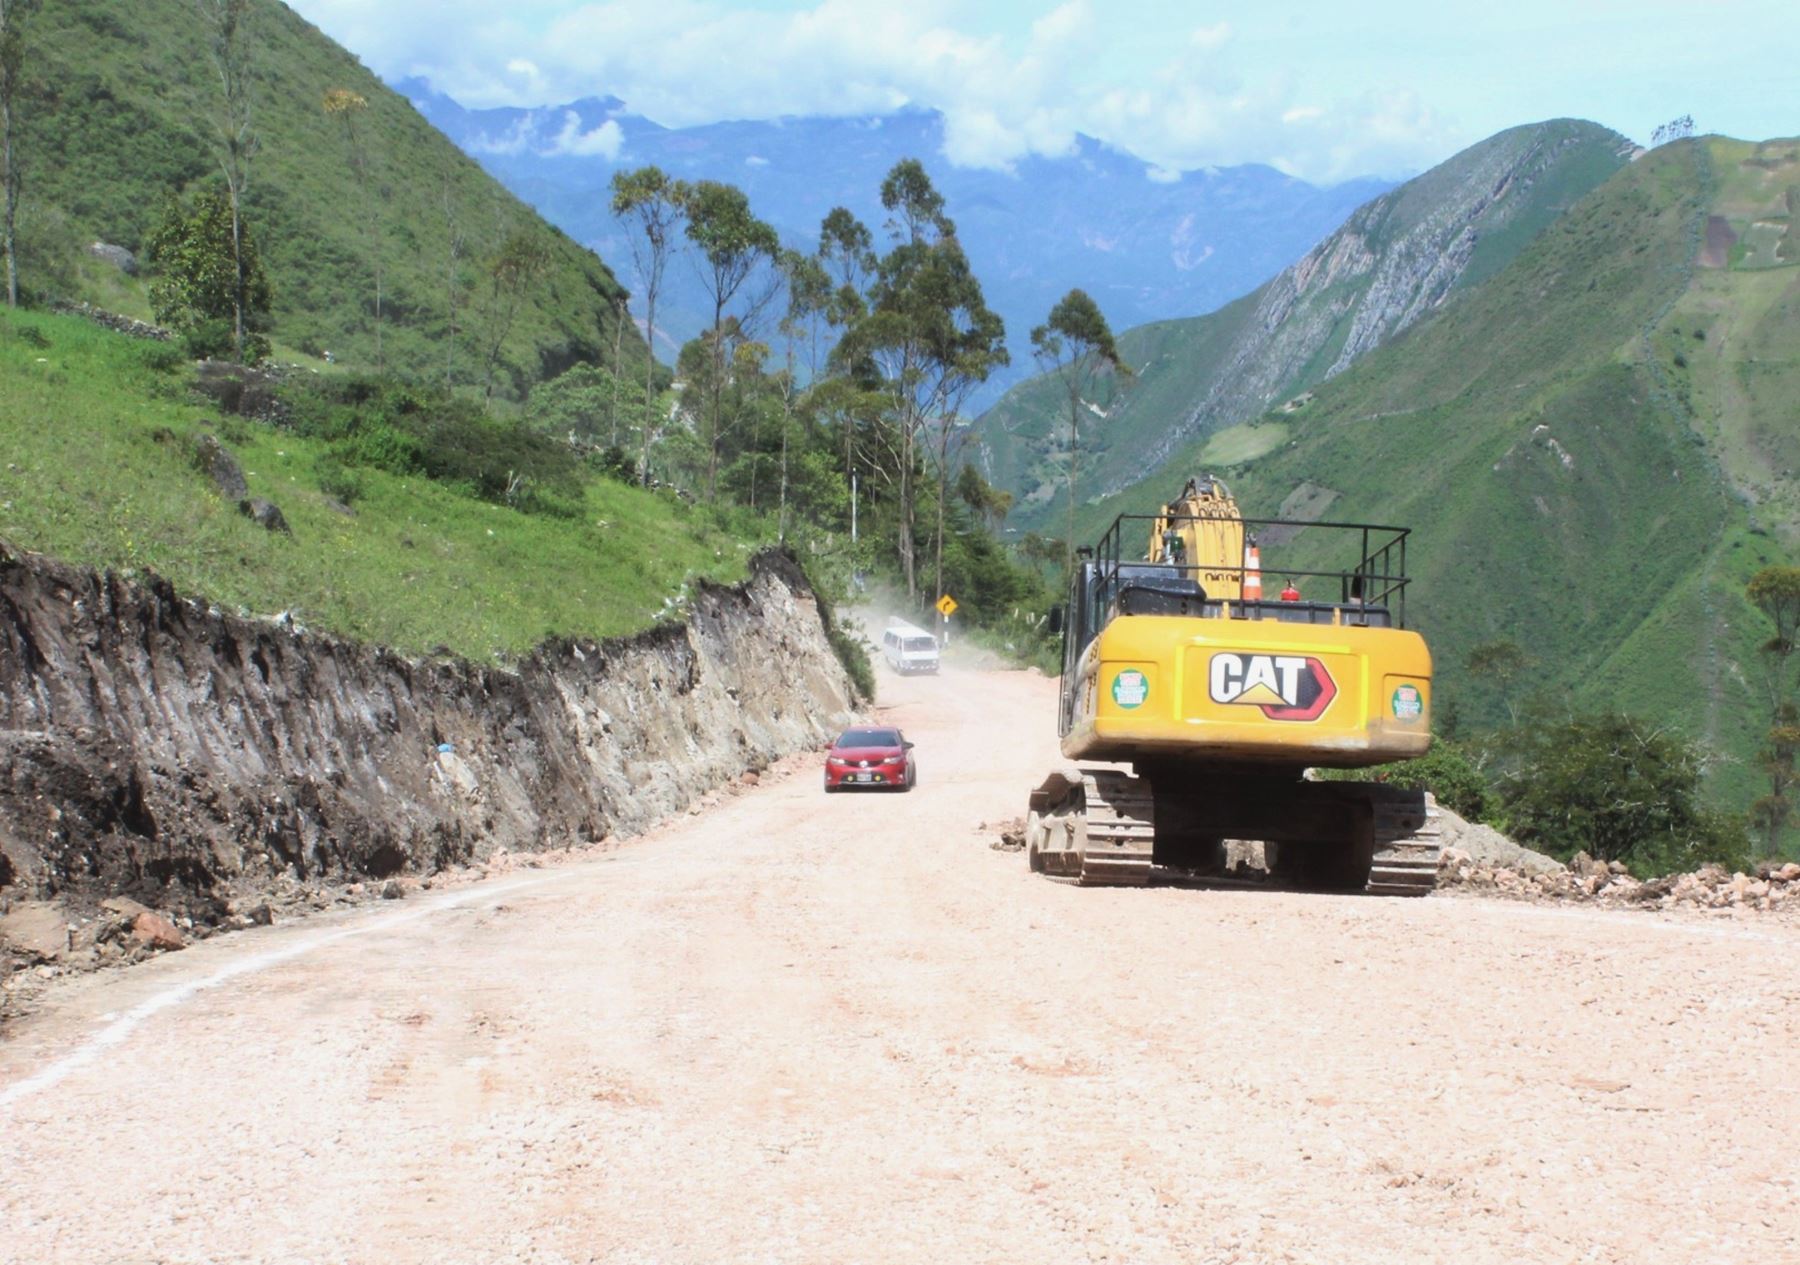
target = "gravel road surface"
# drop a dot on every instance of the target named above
(802, 1028)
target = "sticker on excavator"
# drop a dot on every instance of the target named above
(1284, 686)
(1409, 703)
(1130, 688)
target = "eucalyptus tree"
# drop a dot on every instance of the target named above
(1076, 344)
(1775, 591)
(12, 70)
(847, 255)
(228, 43)
(928, 336)
(730, 245)
(347, 109)
(802, 326)
(654, 203)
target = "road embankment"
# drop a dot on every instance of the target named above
(156, 747)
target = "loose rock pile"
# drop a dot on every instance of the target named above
(1772, 886)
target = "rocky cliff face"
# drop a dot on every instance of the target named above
(154, 747)
(1395, 260)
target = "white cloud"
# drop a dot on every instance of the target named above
(684, 62)
(515, 140)
(604, 141)
(756, 160)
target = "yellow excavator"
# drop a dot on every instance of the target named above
(1222, 698)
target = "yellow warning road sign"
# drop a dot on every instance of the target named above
(946, 606)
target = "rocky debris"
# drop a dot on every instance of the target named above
(217, 462)
(35, 930)
(391, 890)
(1489, 847)
(252, 391)
(1011, 834)
(266, 514)
(116, 323)
(165, 757)
(117, 256)
(1775, 886)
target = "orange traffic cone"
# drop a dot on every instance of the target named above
(1252, 574)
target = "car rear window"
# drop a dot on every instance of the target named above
(869, 738)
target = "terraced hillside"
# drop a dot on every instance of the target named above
(1395, 260)
(118, 116)
(1596, 447)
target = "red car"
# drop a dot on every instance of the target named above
(871, 757)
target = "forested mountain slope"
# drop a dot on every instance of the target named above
(118, 115)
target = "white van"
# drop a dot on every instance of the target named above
(908, 649)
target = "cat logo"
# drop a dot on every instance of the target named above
(1285, 686)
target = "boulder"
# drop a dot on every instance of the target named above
(117, 256)
(36, 930)
(1584, 866)
(267, 514)
(157, 932)
(215, 461)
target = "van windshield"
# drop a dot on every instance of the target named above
(923, 645)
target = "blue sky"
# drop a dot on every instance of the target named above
(1325, 90)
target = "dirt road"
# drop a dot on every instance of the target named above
(811, 1029)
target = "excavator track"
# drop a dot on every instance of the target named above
(1408, 842)
(1096, 827)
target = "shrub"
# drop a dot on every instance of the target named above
(1614, 787)
(1448, 772)
(337, 480)
(407, 429)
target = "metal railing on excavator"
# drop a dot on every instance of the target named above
(1370, 587)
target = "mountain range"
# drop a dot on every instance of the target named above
(1146, 244)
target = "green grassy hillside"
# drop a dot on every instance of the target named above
(98, 436)
(118, 116)
(1596, 447)
(1393, 261)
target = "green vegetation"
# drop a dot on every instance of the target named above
(1075, 345)
(197, 289)
(1449, 771)
(1775, 591)
(1224, 369)
(1616, 788)
(427, 516)
(98, 434)
(384, 245)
